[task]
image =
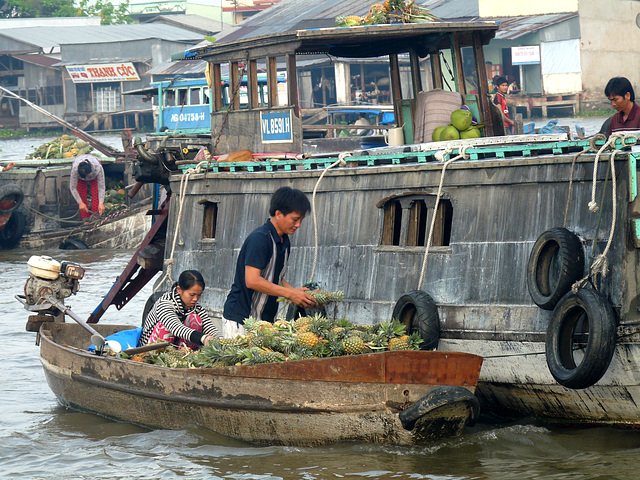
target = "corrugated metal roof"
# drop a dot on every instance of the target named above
(515, 27)
(291, 15)
(196, 23)
(42, 60)
(181, 67)
(453, 9)
(51, 37)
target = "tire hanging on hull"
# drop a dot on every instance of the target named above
(417, 310)
(556, 262)
(581, 322)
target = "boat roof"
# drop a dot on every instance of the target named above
(361, 41)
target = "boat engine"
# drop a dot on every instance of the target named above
(48, 278)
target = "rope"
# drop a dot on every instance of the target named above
(573, 165)
(440, 156)
(600, 264)
(169, 262)
(342, 163)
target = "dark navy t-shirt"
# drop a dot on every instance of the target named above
(258, 252)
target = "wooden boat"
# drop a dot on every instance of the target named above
(50, 213)
(308, 402)
(122, 229)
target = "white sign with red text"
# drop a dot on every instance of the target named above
(528, 55)
(105, 72)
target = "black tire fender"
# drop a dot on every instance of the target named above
(439, 397)
(11, 193)
(417, 310)
(13, 230)
(73, 244)
(556, 262)
(568, 321)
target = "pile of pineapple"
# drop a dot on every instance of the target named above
(306, 337)
(390, 11)
(66, 146)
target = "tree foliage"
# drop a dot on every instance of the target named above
(108, 12)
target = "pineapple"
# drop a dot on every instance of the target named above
(399, 343)
(300, 322)
(271, 357)
(308, 339)
(353, 345)
(323, 297)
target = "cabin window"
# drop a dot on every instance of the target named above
(210, 220)
(392, 223)
(182, 96)
(407, 220)
(417, 224)
(195, 97)
(205, 94)
(170, 98)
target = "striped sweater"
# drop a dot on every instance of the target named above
(172, 312)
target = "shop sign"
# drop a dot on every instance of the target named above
(528, 55)
(105, 72)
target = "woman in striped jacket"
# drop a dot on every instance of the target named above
(177, 317)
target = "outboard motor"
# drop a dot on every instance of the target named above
(49, 282)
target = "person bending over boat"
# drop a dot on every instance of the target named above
(259, 278)
(87, 176)
(620, 93)
(177, 317)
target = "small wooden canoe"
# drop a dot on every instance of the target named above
(402, 397)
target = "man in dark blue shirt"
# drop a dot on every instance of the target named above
(259, 278)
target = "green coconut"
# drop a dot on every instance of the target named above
(461, 119)
(471, 132)
(435, 136)
(449, 133)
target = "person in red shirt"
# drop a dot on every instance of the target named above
(500, 100)
(620, 93)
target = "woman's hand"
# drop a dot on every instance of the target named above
(207, 339)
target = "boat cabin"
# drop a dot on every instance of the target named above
(280, 125)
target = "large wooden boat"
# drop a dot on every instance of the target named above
(307, 402)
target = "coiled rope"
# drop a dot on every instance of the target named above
(441, 156)
(169, 262)
(341, 161)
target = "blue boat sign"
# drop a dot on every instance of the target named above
(276, 127)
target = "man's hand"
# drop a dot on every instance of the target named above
(100, 208)
(83, 207)
(9, 166)
(301, 298)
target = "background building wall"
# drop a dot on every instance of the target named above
(610, 44)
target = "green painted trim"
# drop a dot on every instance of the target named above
(633, 177)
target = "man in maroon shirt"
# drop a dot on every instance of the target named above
(620, 94)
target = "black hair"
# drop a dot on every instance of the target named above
(619, 86)
(287, 200)
(499, 80)
(189, 278)
(84, 168)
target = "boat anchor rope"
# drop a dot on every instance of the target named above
(601, 265)
(441, 156)
(169, 262)
(341, 162)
